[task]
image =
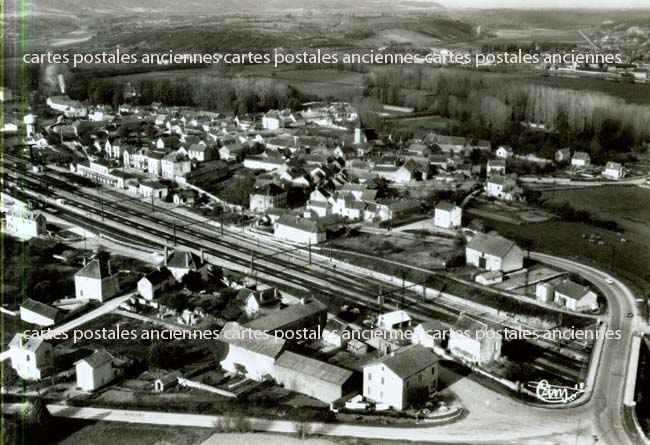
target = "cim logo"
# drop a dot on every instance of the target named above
(555, 394)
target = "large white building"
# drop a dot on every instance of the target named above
(25, 225)
(40, 314)
(299, 230)
(154, 282)
(614, 170)
(390, 379)
(474, 341)
(250, 351)
(268, 196)
(29, 356)
(96, 281)
(575, 296)
(447, 215)
(493, 252)
(580, 159)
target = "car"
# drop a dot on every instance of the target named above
(609, 280)
(629, 315)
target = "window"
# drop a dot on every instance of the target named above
(81, 292)
(433, 371)
(369, 376)
(420, 378)
(382, 380)
(369, 390)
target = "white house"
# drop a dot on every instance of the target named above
(394, 320)
(504, 152)
(29, 356)
(268, 196)
(447, 215)
(181, 262)
(299, 230)
(544, 292)
(575, 296)
(580, 159)
(336, 332)
(563, 155)
(253, 302)
(493, 252)
(430, 334)
(614, 170)
(250, 352)
(96, 281)
(496, 167)
(94, 371)
(26, 225)
(474, 341)
(154, 282)
(37, 313)
(502, 187)
(393, 377)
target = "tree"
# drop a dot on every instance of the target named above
(163, 354)
(193, 281)
(37, 413)
(417, 397)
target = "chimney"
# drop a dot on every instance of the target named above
(84, 261)
(166, 255)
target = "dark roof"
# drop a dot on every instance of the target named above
(97, 359)
(94, 269)
(184, 260)
(471, 327)
(26, 343)
(246, 338)
(279, 319)
(269, 189)
(158, 276)
(494, 245)
(446, 206)
(303, 224)
(41, 308)
(408, 360)
(313, 368)
(572, 290)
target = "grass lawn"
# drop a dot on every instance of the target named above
(629, 206)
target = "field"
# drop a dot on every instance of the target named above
(110, 433)
(628, 205)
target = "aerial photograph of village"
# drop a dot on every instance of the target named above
(329, 222)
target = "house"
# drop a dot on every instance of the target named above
(493, 252)
(232, 152)
(489, 278)
(575, 296)
(474, 341)
(447, 215)
(94, 371)
(563, 155)
(96, 281)
(394, 320)
(503, 187)
(504, 152)
(166, 382)
(40, 314)
(154, 282)
(307, 315)
(312, 377)
(175, 164)
(267, 196)
(261, 162)
(391, 379)
(250, 352)
(181, 262)
(29, 356)
(614, 170)
(184, 197)
(496, 167)
(25, 225)
(153, 189)
(299, 230)
(253, 302)
(580, 159)
(336, 332)
(202, 153)
(544, 292)
(430, 334)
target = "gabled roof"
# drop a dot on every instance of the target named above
(246, 338)
(470, 327)
(158, 276)
(279, 319)
(97, 359)
(494, 245)
(40, 308)
(613, 165)
(313, 368)
(26, 343)
(408, 361)
(182, 259)
(95, 269)
(581, 155)
(304, 224)
(269, 189)
(572, 290)
(445, 206)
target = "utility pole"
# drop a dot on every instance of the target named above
(611, 266)
(380, 299)
(252, 261)
(330, 251)
(403, 288)
(153, 206)
(174, 236)
(310, 252)
(221, 216)
(242, 219)
(101, 203)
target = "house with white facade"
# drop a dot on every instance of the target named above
(503, 187)
(96, 281)
(496, 167)
(30, 356)
(181, 262)
(394, 320)
(25, 224)
(575, 297)
(447, 215)
(580, 159)
(267, 196)
(155, 282)
(494, 252)
(614, 170)
(392, 378)
(336, 332)
(430, 334)
(40, 314)
(299, 230)
(256, 302)
(250, 352)
(504, 152)
(474, 341)
(95, 371)
(563, 155)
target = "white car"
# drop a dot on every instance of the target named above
(609, 280)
